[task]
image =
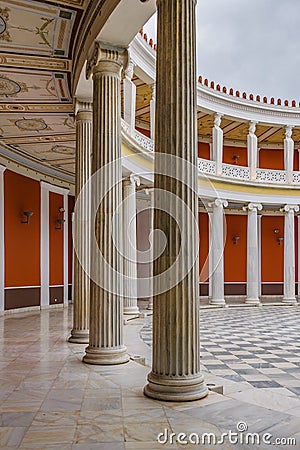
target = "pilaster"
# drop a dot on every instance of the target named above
(217, 143)
(129, 96)
(252, 150)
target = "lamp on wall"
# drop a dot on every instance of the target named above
(279, 239)
(60, 222)
(235, 158)
(27, 214)
(236, 239)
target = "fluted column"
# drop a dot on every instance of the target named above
(106, 303)
(217, 231)
(81, 280)
(217, 143)
(252, 150)
(253, 255)
(289, 153)
(289, 296)
(129, 97)
(175, 372)
(151, 228)
(129, 244)
(152, 112)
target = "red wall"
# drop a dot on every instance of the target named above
(229, 152)
(271, 159)
(203, 150)
(204, 246)
(272, 253)
(56, 238)
(143, 131)
(235, 255)
(22, 242)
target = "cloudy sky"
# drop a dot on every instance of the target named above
(250, 45)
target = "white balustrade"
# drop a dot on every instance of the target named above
(236, 172)
(271, 176)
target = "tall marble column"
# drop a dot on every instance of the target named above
(176, 372)
(217, 143)
(217, 231)
(252, 150)
(129, 244)
(289, 153)
(253, 255)
(289, 296)
(106, 303)
(152, 112)
(129, 97)
(81, 281)
(151, 228)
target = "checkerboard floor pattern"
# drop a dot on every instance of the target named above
(260, 346)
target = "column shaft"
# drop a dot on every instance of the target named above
(252, 150)
(217, 144)
(289, 154)
(129, 245)
(253, 255)
(217, 274)
(175, 372)
(81, 281)
(106, 303)
(129, 97)
(151, 228)
(289, 296)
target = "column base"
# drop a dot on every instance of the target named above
(79, 337)
(253, 301)
(105, 356)
(218, 302)
(150, 304)
(175, 390)
(289, 301)
(131, 310)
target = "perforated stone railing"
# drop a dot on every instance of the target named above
(144, 141)
(271, 176)
(206, 166)
(296, 177)
(229, 171)
(236, 172)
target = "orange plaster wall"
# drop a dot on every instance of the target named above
(143, 131)
(271, 159)
(296, 160)
(203, 222)
(203, 150)
(22, 242)
(272, 254)
(229, 152)
(55, 239)
(235, 256)
(71, 203)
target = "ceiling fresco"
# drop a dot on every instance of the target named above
(35, 102)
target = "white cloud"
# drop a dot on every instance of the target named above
(250, 45)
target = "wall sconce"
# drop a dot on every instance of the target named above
(61, 210)
(235, 158)
(279, 239)
(27, 214)
(60, 222)
(236, 239)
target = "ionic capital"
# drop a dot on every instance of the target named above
(254, 207)
(252, 127)
(218, 119)
(107, 60)
(288, 131)
(290, 209)
(133, 181)
(129, 70)
(218, 203)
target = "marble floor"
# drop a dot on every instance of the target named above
(51, 400)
